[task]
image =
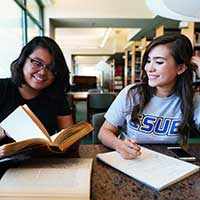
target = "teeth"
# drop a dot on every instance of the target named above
(38, 78)
(152, 76)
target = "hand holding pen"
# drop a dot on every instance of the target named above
(128, 148)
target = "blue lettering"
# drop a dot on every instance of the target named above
(147, 124)
(133, 125)
(174, 127)
(156, 125)
(162, 126)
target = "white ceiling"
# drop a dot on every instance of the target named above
(87, 38)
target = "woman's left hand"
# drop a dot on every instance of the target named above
(196, 60)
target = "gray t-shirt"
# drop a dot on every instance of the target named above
(159, 120)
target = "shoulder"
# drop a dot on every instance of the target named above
(132, 88)
(129, 92)
(127, 98)
(6, 83)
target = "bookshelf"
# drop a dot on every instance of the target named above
(117, 62)
(196, 79)
(138, 55)
(128, 70)
(192, 31)
(132, 63)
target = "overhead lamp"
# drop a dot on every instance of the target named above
(176, 9)
(183, 24)
(106, 36)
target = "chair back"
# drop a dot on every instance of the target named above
(97, 121)
(98, 102)
(94, 90)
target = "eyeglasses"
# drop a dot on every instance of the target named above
(37, 65)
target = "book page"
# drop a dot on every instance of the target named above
(66, 137)
(54, 136)
(152, 168)
(36, 120)
(79, 130)
(20, 126)
(55, 178)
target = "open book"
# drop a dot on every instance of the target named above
(48, 178)
(151, 168)
(31, 136)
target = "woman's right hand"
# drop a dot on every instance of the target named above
(128, 148)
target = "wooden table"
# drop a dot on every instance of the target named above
(110, 184)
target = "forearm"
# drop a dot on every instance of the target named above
(108, 138)
(64, 121)
(127, 148)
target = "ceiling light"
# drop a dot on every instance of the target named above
(176, 9)
(106, 36)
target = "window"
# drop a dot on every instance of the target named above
(20, 21)
(10, 34)
(34, 9)
(32, 29)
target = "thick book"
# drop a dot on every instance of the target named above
(31, 136)
(48, 178)
(151, 168)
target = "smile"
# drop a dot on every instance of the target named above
(152, 77)
(39, 78)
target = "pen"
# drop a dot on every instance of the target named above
(121, 133)
(124, 135)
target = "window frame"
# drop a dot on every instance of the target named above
(25, 14)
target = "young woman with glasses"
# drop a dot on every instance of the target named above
(40, 79)
(163, 107)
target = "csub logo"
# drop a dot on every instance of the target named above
(157, 125)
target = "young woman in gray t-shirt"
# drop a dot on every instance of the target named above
(163, 106)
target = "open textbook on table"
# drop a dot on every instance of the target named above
(48, 179)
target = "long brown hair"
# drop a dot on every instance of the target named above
(181, 51)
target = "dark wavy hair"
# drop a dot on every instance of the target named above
(59, 66)
(182, 52)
